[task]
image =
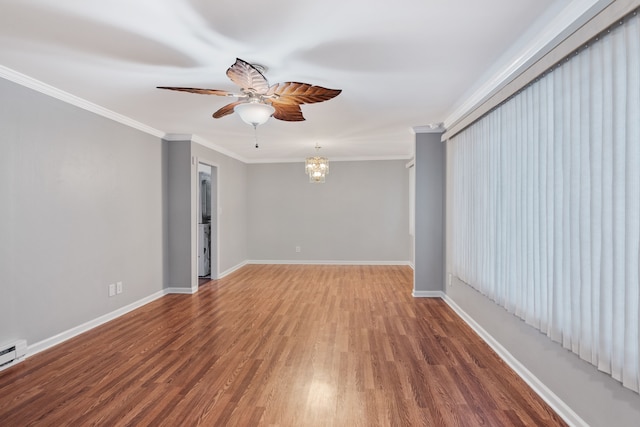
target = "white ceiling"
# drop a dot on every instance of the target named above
(400, 64)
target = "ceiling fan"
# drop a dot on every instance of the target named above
(257, 100)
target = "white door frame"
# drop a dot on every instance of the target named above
(215, 220)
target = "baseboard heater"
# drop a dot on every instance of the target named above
(12, 353)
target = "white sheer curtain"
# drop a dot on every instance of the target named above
(543, 203)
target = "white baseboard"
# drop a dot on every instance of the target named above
(428, 294)
(70, 333)
(232, 269)
(175, 290)
(557, 404)
(327, 262)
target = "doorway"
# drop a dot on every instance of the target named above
(207, 223)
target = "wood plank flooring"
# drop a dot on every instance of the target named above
(277, 345)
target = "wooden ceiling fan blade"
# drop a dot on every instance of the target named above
(201, 91)
(302, 93)
(248, 77)
(285, 98)
(226, 110)
(287, 112)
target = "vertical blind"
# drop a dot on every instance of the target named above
(543, 202)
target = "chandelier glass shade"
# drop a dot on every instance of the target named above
(254, 113)
(317, 167)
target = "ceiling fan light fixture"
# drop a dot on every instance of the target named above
(254, 113)
(258, 100)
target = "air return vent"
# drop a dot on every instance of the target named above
(12, 353)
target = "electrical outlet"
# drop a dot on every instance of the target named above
(112, 289)
(119, 287)
(298, 249)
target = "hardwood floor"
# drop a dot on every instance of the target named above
(277, 345)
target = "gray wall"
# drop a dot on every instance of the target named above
(86, 202)
(430, 167)
(179, 274)
(81, 206)
(361, 212)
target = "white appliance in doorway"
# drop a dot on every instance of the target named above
(204, 250)
(207, 226)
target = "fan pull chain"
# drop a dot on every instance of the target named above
(255, 134)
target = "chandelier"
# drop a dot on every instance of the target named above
(317, 167)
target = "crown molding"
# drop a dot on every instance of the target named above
(572, 17)
(370, 159)
(63, 96)
(332, 159)
(204, 142)
(177, 137)
(430, 128)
